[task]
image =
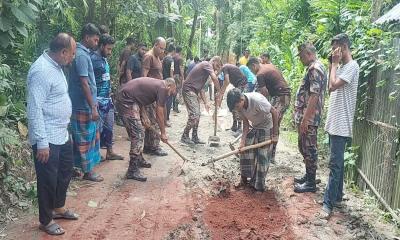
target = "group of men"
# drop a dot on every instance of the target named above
(70, 119)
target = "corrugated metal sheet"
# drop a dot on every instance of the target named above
(392, 15)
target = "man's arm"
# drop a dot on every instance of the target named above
(160, 119)
(88, 97)
(224, 86)
(246, 129)
(275, 117)
(38, 90)
(204, 98)
(181, 71)
(334, 81)
(128, 73)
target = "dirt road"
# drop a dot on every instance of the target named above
(200, 202)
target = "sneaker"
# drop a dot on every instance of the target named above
(158, 152)
(324, 214)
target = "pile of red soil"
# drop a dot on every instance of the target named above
(247, 215)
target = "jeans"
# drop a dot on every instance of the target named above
(53, 179)
(334, 189)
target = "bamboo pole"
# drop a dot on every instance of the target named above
(369, 184)
(258, 145)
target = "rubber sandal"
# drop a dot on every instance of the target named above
(53, 229)
(94, 177)
(114, 157)
(69, 215)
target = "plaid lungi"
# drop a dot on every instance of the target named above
(86, 139)
(254, 163)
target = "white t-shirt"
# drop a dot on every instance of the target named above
(342, 102)
(258, 111)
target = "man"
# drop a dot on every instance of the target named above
(308, 113)
(134, 65)
(255, 108)
(265, 58)
(168, 72)
(49, 112)
(271, 83)
(343, 82)
(83, 93)
(104, 30)
(152, 67)
(232, 74)
(132, 99)
(178, 76)
(101, 70)
(193, 86)
(251, 78)
(245, 58)
(123, 59)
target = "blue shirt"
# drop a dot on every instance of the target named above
(81, 67)
(251, 78)
(101, 70)
(49, 106)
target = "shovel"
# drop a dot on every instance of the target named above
(214, 140)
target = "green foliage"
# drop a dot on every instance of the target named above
(350, 164)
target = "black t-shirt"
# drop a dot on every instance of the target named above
(135, 65)
(166, 68)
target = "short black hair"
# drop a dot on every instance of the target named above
(178, 49)
(106, 39)
(89, 29)
(171, 48)
(342, 39)
(196, 59)
(141, 45)
(307, 46)
(246, 50)
(104, 29)
(232, 98)
(266, 54)
(60, 41)
(252, 60)
(130, 40)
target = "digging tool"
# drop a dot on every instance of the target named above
(214, 140)
(172, 147)
(233, 142)
(257, 145)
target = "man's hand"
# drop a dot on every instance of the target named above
(95, 114)
(241, 145)
(164, 137)
(42, 155)
(336, 56)
(274, 138)
(303, 127)
(146, 123)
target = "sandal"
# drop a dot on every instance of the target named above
(69, 215)
(94, 177)
(52, 229)
(114, 156)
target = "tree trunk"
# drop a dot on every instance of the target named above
(103, 12)
(91, 11)
(193, 30)
(376, 9)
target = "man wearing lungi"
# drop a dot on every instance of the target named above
(255, 108)
(233, 75)
(101, 70)
(193, 86)
(152, 68)
(270, 83)
(83, 93)
(132, 98)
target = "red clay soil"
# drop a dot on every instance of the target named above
(246, 215)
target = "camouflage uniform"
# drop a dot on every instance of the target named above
(151, 139)
(193, 106)
(314, 82)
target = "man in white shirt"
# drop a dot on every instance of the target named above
(343, 83)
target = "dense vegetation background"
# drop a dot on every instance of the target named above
(202, 27)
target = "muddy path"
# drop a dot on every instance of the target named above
(201, 202)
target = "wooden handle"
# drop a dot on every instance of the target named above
(261, 144)
(236, 139)
(169, 144)
(215, 119)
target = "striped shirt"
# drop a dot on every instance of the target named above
(49, 106)
(342, 102)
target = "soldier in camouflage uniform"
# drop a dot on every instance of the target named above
(308, 112)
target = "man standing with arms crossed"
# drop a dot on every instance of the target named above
(343, 83)
(49, 111)
(152, 68)
(308, 113)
